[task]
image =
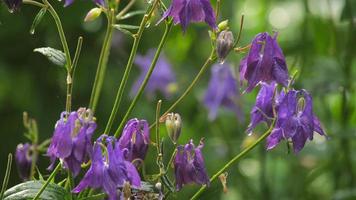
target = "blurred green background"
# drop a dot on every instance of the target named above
(318, 38)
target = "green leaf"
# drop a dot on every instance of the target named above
(131, 14)
(37, 20)
(28, 190)
(55, 56)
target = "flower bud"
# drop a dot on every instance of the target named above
(174, 126)
(224, 43)
(93, 14)
(223, 25)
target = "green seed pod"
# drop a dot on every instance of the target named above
(174, 126)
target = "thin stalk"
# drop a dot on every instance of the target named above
(66, 52)
(125, 9)
(34, 3)
(53, 174)
(61, 33)
(71, 73)
(7, 175)
(103, 61)
(147, 77)
(235, 159)
(158, 143)
(207, 63)
(137, 38)
(172, 157)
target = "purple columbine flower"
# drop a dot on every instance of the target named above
(71, 141)
(185, 11)
(265, 62)
(135, 139)
(23, 160)
(262, 111)
(162, 77)
(13, 5)
(295, 120)
(189, 166)
(222, 91)
(108, 170)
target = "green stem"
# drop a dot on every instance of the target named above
(158, 142)
(147, 77)
(7, 176)
(71, 73)
(137, 38)
(207, 63)
(61, 33)
(172, 157)
(34, 3)
(236, 158)
(103, 61)
(53, 174)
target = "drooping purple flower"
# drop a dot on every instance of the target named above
(162, 78)
(222, 91)
(135, 139)
(265, 62)
(13, 5)
(262, 111)
(295, 121)
(71, 139)
(23, 160)
(185, 11)
(189, 166)
(108, 171)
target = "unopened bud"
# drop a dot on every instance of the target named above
(174, 126)
(223, 25)
(158, 186)
(224, 44)
(223, 180)
(93, 14)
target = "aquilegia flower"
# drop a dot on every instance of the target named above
(13, 5)
(109, 170)
(185, 11)
(265, 62)
(135, 139)
(189, 166)
(71, 139)
(262, 111)
(222, 91)
(162, 78)
(23, 160)
(295, 120)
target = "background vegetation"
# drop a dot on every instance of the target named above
(318, 38)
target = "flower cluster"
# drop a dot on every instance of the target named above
(109, 170)
(71, 141)
(292, 110)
